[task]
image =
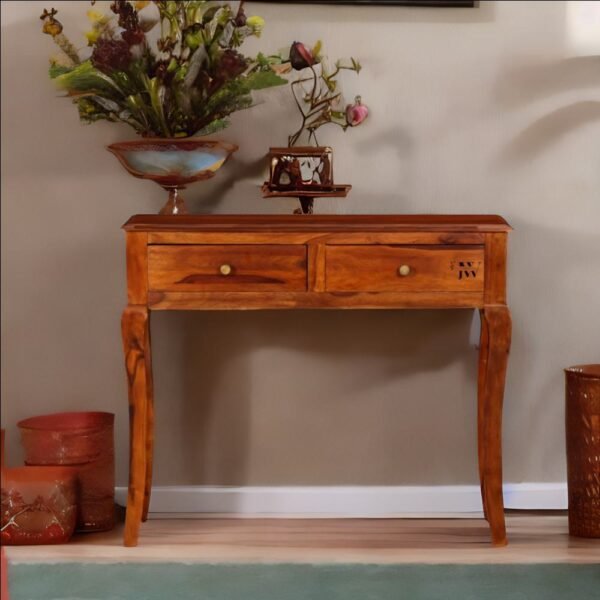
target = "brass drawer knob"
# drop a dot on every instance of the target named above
(403, 270)
(225, 269)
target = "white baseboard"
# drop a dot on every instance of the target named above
(346, 501)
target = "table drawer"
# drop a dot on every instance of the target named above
(235, 268)
(404, 268)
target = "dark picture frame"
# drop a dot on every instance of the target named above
(424, 3)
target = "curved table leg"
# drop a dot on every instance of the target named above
(136, 345)
(149, 429)
(481, 416)
(493, 359)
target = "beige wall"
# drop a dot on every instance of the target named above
(473, 111)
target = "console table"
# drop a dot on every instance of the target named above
(242, 262)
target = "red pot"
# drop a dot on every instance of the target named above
(39, 505)
(84, 440)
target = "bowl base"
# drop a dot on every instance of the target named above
(175, 204)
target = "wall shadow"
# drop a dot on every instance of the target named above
(548, 130)
(524, 84)
(328, 364)
(550, 260)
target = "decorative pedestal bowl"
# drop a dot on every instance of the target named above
(173, 163)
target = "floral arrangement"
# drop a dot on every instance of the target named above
(185, 83)
(316, 94)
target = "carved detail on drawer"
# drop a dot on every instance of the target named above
(467, 269)
(233, 268)
(404, 268)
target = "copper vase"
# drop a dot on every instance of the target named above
(39, 505)
(583, 449)
(84, 440)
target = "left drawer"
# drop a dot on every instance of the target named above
(225, 268)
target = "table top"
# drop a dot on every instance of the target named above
(329, 223)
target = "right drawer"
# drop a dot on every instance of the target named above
(404, 268)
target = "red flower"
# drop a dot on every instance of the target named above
(356, 113)
(231, 65)
(128, 20)
(301, 57)
(133, 37)
(111, 55)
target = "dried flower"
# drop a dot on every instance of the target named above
(51, 26)
(95, 16)
(185, 82)
(240, 18)
(281, 68)
(92, 36)
(256, 24)
(99, 21)
(134, 37)
(61, 60)
(133, 34)
(317, 95)
(300, 56)
(356, 113)
(232, 64)
(111, 55)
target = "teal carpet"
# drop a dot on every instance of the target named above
(175, 581)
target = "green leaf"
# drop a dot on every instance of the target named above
(56, 70)
(356, 65)
(260, 80)
(86, 78)
(157, 94)
(216, 125)
(316, 51)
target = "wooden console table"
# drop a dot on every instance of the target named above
(243, 262)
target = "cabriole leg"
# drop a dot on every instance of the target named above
(136, 345)
(493, 359)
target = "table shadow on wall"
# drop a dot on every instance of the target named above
(313, 364)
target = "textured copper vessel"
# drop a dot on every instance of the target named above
(583, 449)
(39, 505)
(173, 163)
(84, 440)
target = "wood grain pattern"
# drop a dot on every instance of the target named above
(315, 237)
(496, 324)
(137, 268)
(149, 424)
(317, 262)
(316, 267)
(253, 268)
(432, 269)
(311, 300)
(136, 345)
(484, 348)
(535, 538)
(495, 266)
(316, 223)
